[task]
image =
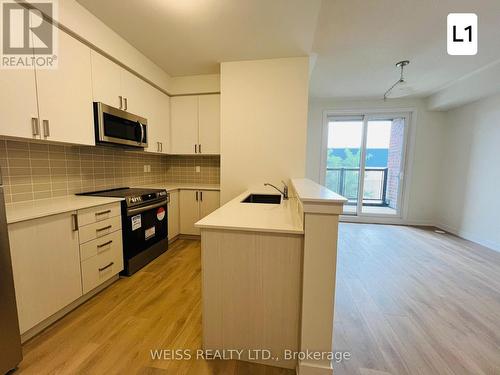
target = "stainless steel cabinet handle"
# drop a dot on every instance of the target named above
(199, 148)
(35, 126)
(102, 213)
(196, 195)
(201, 196)
(195, 148)
(46, 128)
(126, 104)
(105, 244)
(106, 267)
(161, 146)
(105, 228)
(75, 222)
(121, 101)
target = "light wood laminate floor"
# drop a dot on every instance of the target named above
(409, 301)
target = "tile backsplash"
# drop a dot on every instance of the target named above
(33, 170)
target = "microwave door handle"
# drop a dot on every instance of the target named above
(142, 132)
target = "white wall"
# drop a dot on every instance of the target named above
(470, 173)
(263, 122)
(425, 167)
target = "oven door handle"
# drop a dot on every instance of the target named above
(135, 211)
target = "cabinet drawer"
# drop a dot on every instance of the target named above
(98, 213)
(101, 245)
(101, 267)
(100, 229)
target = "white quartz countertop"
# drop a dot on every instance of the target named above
(256, 217)
(23, 211)
(169, 186)
(310, 191)
(52, 206)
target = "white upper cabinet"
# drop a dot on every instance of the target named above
(158, 116)
(106, 81)
(195, 124)
(117, 87)
(18, 105)
(65, 95)
(209, 124)
(136, 94)
(183, 124)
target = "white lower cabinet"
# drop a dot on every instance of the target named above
(101, 247)
(173, 215)
(106, 263)
(46, 266)
(54, 265)
(195, 205)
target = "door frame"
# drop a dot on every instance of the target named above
(407, 158)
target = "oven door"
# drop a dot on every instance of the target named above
(120, 127)
(143, 227)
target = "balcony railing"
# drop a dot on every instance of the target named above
(345, 181)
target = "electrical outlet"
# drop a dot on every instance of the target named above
(198, 169)
(147, 168)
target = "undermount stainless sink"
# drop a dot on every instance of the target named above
(263, 198)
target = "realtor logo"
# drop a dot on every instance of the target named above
(28, 36)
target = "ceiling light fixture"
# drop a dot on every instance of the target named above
(400, 87)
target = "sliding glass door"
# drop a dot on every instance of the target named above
(364, 162)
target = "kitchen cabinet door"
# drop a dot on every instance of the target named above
(209, 124)
(18, 105)
(209, 202)
(46, 267)
(189, 211)
(158, 122)
(173, 215)
(65, 95)
(183, 124)
(137, 94)
(106, 81)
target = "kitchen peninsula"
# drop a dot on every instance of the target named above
(257, 260)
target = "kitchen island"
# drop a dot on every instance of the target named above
(251, 265)
(269, 276)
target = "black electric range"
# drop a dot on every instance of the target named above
(144, 224)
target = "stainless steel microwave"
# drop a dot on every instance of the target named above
(115, 126)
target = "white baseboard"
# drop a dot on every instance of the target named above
(383, 220)
(470, 237)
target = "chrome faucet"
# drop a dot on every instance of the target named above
(285, 189)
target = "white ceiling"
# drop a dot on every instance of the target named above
(357, 42)
(186, 37)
